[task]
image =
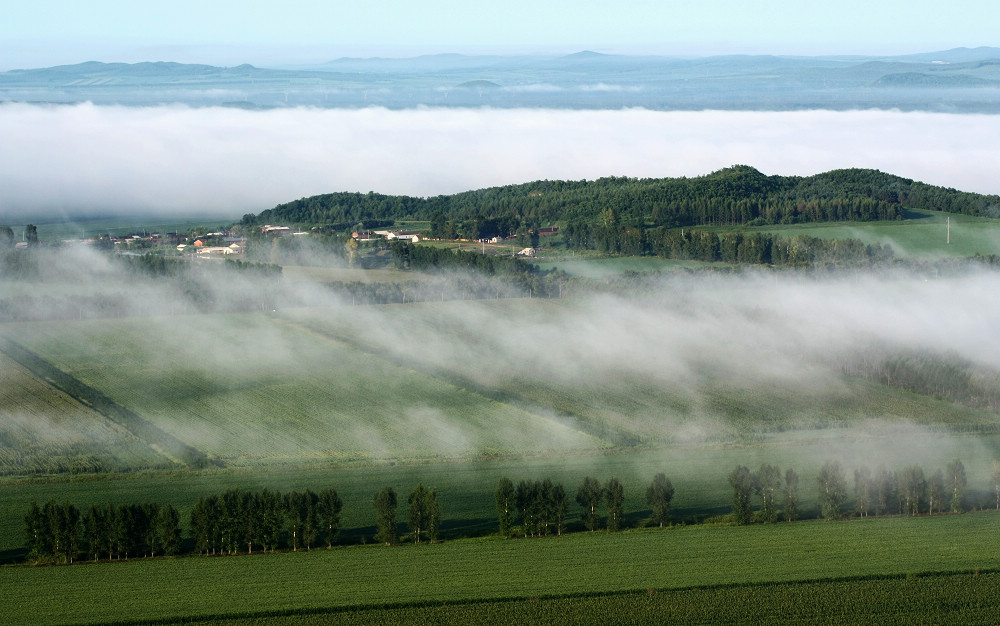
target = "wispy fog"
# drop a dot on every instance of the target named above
(687, 359)
(215, 160)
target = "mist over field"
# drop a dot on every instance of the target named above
(683, 360)
(67, 160)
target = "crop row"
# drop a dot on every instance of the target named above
(966, 598)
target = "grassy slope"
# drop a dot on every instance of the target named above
(923, 234)
(245, 389)
(582, 563)
(43, 429)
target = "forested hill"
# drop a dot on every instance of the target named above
(738, 195)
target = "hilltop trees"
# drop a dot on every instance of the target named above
(604, 213)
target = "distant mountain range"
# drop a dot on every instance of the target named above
(959, 80)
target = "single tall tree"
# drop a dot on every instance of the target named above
(527, 506)
(996, 481)
(168, 528)
(589, 496)
(790, 505)
(883, 490)
(935, 492)
(433, 516)
(658, 495)
(863, 491)
(741, 480)
(506, 503)
(832, 489)
(94, 530)
(417, 516)
(767, 483)
(560, 507)
(957, 485)
(912, 488)
(295, 509)
(329, 508)
(614, 498)
(385, 515)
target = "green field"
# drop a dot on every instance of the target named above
(43, 430)
(583, 563)
(456, 395)
(324, 386)
(249, 389)
(923, 234)
(967, 598)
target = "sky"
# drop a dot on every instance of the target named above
(84, 158)
(42, 33)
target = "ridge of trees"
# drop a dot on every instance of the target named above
(738, 195)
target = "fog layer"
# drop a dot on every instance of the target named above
(72, 159)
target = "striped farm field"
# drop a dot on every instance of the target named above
(965, 598)
(719, 558)
(44, 430)
(650, 400)
(250, 389)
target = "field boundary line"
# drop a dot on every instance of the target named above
(418, 604)
(158, 440)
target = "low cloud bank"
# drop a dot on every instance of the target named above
(178, 160)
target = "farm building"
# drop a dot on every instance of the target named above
(267, 229)
(215, 250)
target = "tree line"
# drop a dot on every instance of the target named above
(266, 521)
(240, 520)
(905, 491)
(756, 248)
(58, 532)
(423, 515)
(540, 507)
(739, 195)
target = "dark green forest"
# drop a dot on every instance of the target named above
(735, 196)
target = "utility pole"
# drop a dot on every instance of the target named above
(949, 229)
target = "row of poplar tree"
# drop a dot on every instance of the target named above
(244, 520)
(905, 491)
(540, 507)
(226, 523)
(59, 531)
